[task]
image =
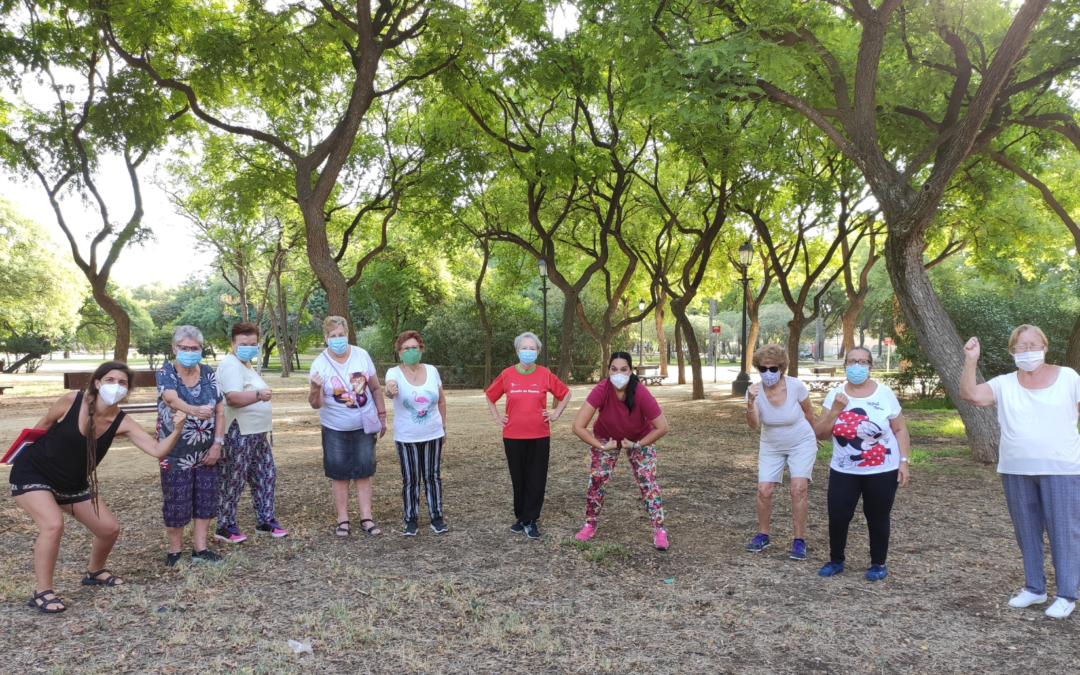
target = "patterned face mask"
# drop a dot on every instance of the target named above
(769, 379)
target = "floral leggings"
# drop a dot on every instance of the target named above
(246, 459)
(643, 463)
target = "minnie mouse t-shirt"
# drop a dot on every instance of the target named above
(863, 440)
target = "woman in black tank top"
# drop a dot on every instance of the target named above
(58, 474)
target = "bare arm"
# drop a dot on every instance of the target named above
(213, 454)
(981, 395)
(56, 411)
(553, 415)
(660, 428)
(380, 402)
(499, 419)
(823, 426)
(808, 410)
(753, 413)
(441, 405)
(580, 426)
(242, 399)
(173, 400)
(903, 441)
(315, 392)
(147, 443)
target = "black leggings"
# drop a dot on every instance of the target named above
(878, 490)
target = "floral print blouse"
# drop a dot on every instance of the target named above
(198, 435)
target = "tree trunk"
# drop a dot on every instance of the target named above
(661, 343)
(698, 391)
(322, 260)
(1072, 353)
(855, 305)
(751, 337)
(488, 336)
(937, 336)
(119, 317)
(795, 327)
(679, 359)
(566, 343)
(14, 367)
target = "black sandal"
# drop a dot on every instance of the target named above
(369, 529)
(341, 529)
(46, 603)
(111, 580)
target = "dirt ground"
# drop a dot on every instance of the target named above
(479, 599)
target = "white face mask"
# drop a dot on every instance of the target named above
(1029, 361)
(619, 380)
(111, 393)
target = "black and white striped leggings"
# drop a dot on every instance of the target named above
(420, 460)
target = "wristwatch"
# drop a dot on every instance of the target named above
(219, 441)
(904, 459)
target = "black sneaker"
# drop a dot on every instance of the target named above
(410, 529)
(532, 530)
(518, 527)
(206, 555)
(172, 559)
(438, 525)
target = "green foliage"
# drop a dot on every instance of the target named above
(154, 344)
(97, 330)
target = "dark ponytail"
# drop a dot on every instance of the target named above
(91, 397)
(631, 386)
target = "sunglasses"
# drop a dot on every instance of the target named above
(771, 369)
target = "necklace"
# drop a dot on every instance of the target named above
(413, 377)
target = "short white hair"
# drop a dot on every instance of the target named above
(186, 333)
(526, 334)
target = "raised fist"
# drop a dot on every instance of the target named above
(972, 349)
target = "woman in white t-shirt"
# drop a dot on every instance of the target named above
(787, 437)
(419, 429)
(871, 445)
(346, 392)
(247, 456)
(1039, 460)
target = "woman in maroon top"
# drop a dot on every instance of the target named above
(629, 419)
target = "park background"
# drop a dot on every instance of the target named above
(899, 171)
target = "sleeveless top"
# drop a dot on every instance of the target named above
(59, 457)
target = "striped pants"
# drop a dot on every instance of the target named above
(1050, 503)
(420, 460)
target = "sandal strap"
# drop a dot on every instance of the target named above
(110, 580)
(47, 603)
(41, 595)
(366, 520)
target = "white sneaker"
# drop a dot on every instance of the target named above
(1060, 609)
(1026, 599)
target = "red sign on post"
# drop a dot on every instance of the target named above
(888, 341)
(716, 329)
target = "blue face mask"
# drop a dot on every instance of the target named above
(857, 374)
(338, 345)
(189, 359)
(527, 356)
(246, 352)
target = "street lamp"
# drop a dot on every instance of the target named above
(742, 382)
(544, 290)
(641, 340)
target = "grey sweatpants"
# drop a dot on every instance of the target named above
(1051, 503)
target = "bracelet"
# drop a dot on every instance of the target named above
(382, 414)
(220, 441)
(904, 459)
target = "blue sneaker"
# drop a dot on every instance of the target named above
(760, 542)
(798, 550)
(831, 569)
(876, 573)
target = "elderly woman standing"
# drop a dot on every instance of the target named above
(346, 392)
(247, 455)
(787, 437)
(1038, 459)
(871, 446)
(419, 429)
(189, 479)
(526, 428)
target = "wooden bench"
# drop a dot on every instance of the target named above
(143, 378)
(828, 371)
(822, 384)
(3, 389)
(650, 375)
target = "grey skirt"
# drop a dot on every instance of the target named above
(348, 455)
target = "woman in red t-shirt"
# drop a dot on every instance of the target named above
(629, 419)
(526, 431)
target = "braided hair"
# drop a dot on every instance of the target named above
(631, 386)
(91, 397)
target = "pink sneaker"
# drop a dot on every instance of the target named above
(586, 532)
(230, 534)
(273, 528)
(660, 540)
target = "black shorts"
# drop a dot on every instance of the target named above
(31, 482)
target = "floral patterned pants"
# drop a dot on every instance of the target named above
(643, 463)
(246, 459)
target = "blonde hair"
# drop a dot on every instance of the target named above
(771, 352)
(1015, 337)
(332, 322)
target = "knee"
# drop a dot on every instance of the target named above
(765, 490)
(798, 491)
(52, 528)
(109, 531)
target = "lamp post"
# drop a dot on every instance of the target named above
(641, 339)
(544, 290)
(742, 382)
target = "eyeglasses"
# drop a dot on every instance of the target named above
(1027, 347)
(857, 362)
(180, 348)
(771, 369)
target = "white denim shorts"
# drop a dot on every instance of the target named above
(799, 460)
